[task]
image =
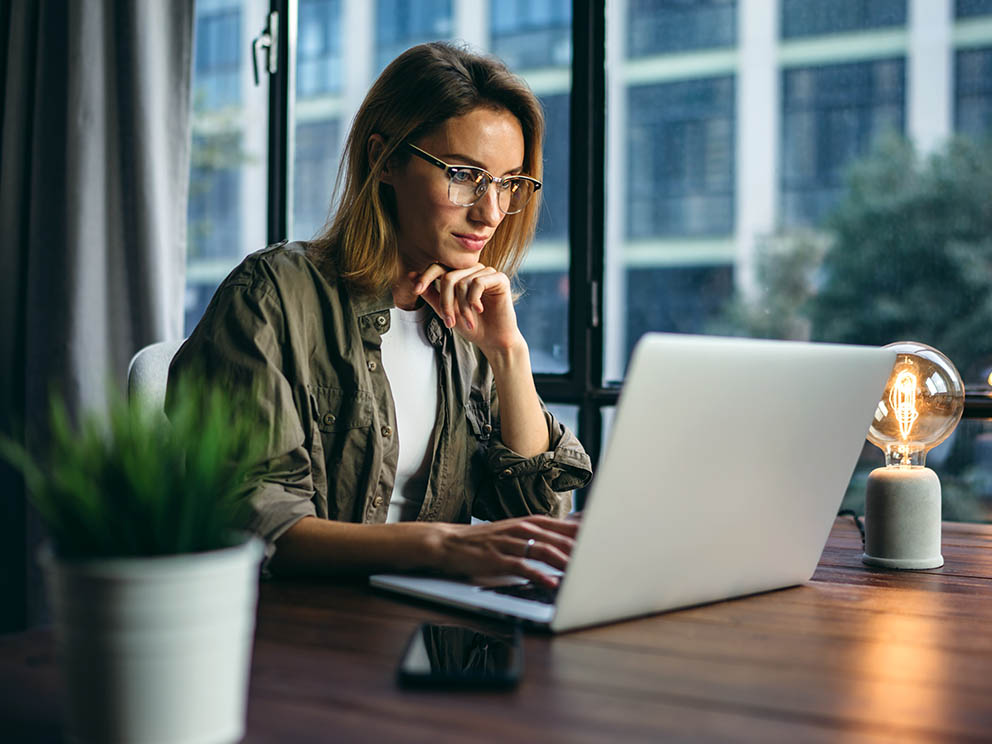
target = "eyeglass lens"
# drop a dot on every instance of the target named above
(467, 185)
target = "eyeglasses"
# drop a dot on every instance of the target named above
(467, 184)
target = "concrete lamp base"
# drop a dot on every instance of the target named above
(902, 519)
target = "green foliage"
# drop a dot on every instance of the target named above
(912, 252)
(136, 484)
(785, 277)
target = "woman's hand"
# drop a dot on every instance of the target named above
(502, 547)
(477, 302)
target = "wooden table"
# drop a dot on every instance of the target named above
(857, 654)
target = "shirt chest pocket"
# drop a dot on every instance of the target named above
(337, 410)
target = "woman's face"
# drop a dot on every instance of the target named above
(431, 229)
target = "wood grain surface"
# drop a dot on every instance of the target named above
(856, 654)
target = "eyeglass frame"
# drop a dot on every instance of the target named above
(448, 169)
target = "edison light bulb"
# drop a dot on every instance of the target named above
(921, 405)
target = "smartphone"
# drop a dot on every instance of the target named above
(455, 656)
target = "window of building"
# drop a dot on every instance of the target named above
(400, 24)
(217, 59)
(676, 299)
(830, 115)
(553, 222)
(318, 56)
(973, 94)
(228, 165)
(315, 168)
(665, 26)
(214, 213)
(970, 8)
(531, 33)
(815, 17)
(680, 163)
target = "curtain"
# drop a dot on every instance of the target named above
(94, 173)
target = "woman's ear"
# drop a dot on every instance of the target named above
(376, 147)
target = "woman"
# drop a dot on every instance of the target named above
(396, 390)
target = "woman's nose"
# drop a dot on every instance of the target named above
(486, 210)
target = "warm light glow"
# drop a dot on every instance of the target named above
(989, 380)
(903, 402)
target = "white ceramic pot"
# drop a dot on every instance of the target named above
(156, 649)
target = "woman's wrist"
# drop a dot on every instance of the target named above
(509, 358)
(432, 551)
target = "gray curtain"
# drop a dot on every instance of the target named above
(94, 173)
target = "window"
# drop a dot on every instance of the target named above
(680, 166)
(401, 24)
(970, 8)
(228, 170)
(554, 209)
(532, 33)
(973, 75)
(218, 59)
(662, 26)
(830, 115)
(712, 172)
(679, 299)
(318, 59)
(315, 167)
(815, 17)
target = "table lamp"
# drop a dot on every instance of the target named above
(921, 405)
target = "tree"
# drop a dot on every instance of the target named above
(911, 256)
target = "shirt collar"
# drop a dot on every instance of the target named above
(369, 304)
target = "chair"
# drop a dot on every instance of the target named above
(148, 374)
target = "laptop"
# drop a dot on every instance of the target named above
(726, 465)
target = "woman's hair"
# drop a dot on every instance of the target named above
(414, 96)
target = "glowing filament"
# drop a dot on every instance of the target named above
(903, 402)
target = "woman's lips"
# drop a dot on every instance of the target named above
(471, 242)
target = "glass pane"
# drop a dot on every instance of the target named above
(791, 190)
(777, 192)
(969, 8)
(679, 25)
(973, 76)
(815, 17)
(228, 171)
(344, 44)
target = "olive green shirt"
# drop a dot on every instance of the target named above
(309, 348)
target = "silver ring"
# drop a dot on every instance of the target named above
(530, 544)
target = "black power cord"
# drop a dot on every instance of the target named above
(857, 520)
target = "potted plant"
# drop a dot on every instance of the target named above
(152, 585)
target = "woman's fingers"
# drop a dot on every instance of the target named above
(477, 284)
(457, 295)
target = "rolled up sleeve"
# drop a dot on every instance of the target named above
(538, 484)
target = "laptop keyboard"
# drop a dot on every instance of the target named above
(534, 592)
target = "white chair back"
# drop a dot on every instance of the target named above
(148, 374)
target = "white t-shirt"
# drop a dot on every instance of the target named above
(410, 364)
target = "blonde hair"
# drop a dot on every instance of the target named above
(414, 96)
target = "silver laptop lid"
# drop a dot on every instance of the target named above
(726, 466)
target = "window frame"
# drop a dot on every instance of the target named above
(583, 385)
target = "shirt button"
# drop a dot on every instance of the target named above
(380, 320)
(373, 366)
(507, 473)
(328, 419)
(377, 502)
(487, 429)
(387, 431)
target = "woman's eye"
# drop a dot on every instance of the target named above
(461, 176)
